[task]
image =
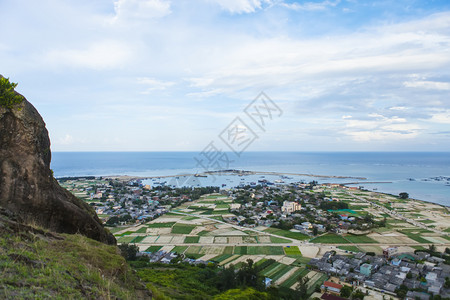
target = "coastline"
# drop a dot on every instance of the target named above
(257, 173)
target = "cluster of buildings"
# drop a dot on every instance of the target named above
(129, 201)
(421, 275)
(295, 205)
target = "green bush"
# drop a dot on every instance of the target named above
(8, 98)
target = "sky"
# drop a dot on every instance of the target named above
(160, 75)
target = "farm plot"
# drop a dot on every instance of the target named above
(349, 248)
(317, 282)
(282, 272)
(220, 258)
(167, 248)
(228, 260)
(177, 239)
(391, 238)
(235, 240)
(220, 240)
(182, 228)
(164, 239)
(153, 249)
(330, 238)
(286, 275)
(287, 260)
(360, 239)
(137, 239)
(292, 250)
(193, 250)
(264, 239)
(286, 233)
(191, 239)
(150, 239)
(126, 239)
(212, 250)
(159, 231)
(179, 249)
(249, 240)
(300, 272)
(265, 250)
(436, 239)
(161, 225)
(206, 240)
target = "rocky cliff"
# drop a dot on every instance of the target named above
(27, 186)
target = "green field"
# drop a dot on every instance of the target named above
(269, 269)
(138, 239)
(292, 250)
(193, 250)
(221, 258)
(426, 221)
(126, 239)
(360, 239)
(203, 233)
(182, 228)
(264, 250)
(415, 236)
(141, 230)
(350, 248)
(191, 239)
(278, 271)
(179, 249)
(114, 229)
(242, 250)
(277, 240)
(286, 233)
(318, 282)
(153, 249)
(189, 218)
(294, 278)
(160, 225)
(228, 250)
(330, 238)
(281, 272)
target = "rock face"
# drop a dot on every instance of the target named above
(27, 185)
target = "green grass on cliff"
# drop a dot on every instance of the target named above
(59, 266)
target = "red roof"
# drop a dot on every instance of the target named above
(332, 285)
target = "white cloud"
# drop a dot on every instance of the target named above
(379, 127)
(141, 9)
(311, 6)
(99, 55)
(153, 84)
(428, 85)
(441, 117)
(240, 6)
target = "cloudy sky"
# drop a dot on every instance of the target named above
(160, 75)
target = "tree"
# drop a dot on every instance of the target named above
(403, 195)
(432, 248)
(129, 251)
(358, 294)
(8, 97)
(346, 291)
(112, 221)
(302, 288)
(315, 231)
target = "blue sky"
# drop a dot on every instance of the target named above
(159, 75)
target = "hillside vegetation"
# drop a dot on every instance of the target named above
(38, 264)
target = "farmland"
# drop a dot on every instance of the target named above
(201, 230)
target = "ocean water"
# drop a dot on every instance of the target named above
(424, 175)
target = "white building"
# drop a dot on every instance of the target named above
(289, 207)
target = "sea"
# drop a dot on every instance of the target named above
(423, 175)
